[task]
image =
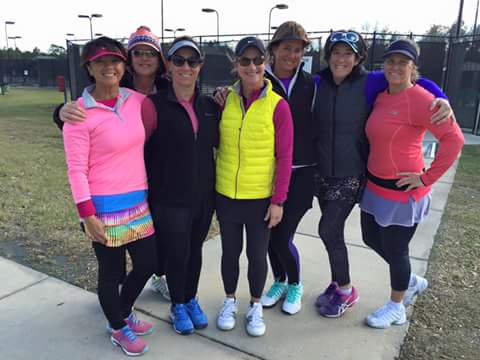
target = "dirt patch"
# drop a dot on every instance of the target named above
(446, 320)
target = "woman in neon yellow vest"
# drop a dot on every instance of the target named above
(253, 173)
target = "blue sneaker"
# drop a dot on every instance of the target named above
(180, 319)
(198, 317)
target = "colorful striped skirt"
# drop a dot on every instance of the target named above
(124, 226)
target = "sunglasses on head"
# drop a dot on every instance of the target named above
(246, 61)
(348, 36)
(193, 62)
(146, 53)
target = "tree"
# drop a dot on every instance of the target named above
(56, 50)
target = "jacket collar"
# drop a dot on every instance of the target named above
(173, 98)
(269, 71)
(89, 102)
(237, 88)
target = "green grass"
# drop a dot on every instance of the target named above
(38, 221)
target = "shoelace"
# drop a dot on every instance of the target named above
(133, 319)
(180, 313)
(129, 334)
(330, 290)
(275, 290)
(163, 286)
(386, 312)
(227, 309)
(255, 316)
(337, 299)
(194, 307)
(293, 294)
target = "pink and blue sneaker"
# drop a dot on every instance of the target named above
(139, 327)
(128, 341)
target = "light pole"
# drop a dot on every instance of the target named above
(6, 33)
(476, 18)
(90, 17)
(279, 7)
(209, 10)
(459, 21)
(175, 31)
(14, 38)
(161, 5)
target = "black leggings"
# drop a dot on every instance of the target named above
(331, 230)
(391, 243)
(162, 251)
(282, 252)
(111, 270)
(258, 235)
(183, 231)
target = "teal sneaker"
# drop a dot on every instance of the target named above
(276, 292)
(293, 300)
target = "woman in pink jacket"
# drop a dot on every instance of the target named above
(397, 195)
(107, 176)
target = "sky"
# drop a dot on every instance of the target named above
(41, 23)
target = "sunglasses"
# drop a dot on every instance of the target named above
(146, 53)
(245, 61)
(348, 36)
(193, 62)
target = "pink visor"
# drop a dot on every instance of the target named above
(106, 52)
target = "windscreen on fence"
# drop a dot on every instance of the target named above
(457, 69)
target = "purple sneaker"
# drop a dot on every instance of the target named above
(338, 304)
(324, 298)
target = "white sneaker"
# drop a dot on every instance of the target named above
(388, 314)
(293, 300)
(277, 291)
(159, 285)
(420, 284)
(227, 315)
(255, 323)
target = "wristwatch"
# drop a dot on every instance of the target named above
(279, 204)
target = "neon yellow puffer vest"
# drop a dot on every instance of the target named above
(246, 154)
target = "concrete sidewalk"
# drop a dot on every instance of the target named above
(45, 318)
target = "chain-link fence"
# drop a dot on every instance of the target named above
(41, 71)
(452, 63)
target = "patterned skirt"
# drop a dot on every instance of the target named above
(347, 188)
(124, 226)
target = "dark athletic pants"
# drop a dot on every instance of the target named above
(282, 252)
(111, 271)
(331, 230)
(183, 231)
(258, 236)
(391, 243)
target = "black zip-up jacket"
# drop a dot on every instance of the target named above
(340, 114)
(300, 101)
(180, 164)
